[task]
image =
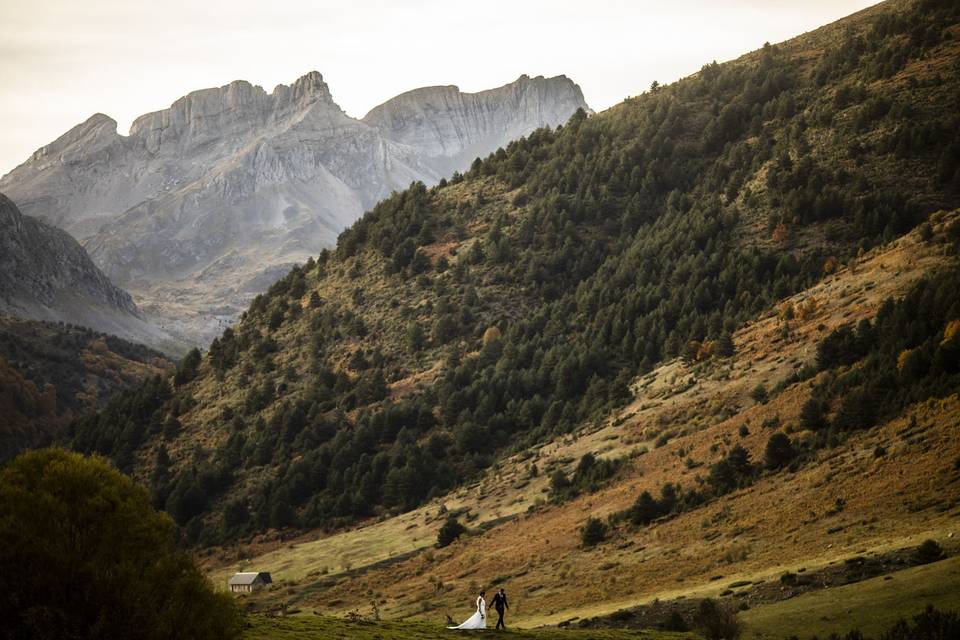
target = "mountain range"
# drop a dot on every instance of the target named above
(205, 203)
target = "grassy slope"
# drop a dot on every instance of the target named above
(326, 628)
(688, 399)
(871, 606)
(779, 524)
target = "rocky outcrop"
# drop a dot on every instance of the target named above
(203, 203)
(46, 275)
(452, 128)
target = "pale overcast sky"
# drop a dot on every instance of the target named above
(64, 60)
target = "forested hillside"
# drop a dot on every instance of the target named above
(51, 373)
(455, 324)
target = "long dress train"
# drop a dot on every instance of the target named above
(478, 620)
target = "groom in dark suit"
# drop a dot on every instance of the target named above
(500, 604)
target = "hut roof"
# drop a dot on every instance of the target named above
(249, 577)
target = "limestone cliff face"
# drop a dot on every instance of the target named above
(204, 203)
(46, 275)
(237, 108)
(453, 127)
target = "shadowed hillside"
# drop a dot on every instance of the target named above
(46, 275)
(51, 373)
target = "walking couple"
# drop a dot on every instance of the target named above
(479, 619)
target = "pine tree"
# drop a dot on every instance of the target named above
(594, 532)
(779, 451)
(450, 531)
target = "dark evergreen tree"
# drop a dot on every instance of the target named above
(450, 531)
(594, 532)
(780, 451)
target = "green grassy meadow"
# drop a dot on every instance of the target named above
(871, 606)
(327, 628)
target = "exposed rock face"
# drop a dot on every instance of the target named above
(46, 275)
(206, 202)
(453, 127)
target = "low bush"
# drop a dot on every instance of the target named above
(594, 532)
(450, 531)
(717, 622)
(929, 551)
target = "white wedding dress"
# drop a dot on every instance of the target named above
(478, 620)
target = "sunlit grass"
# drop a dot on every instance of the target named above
(871, 606)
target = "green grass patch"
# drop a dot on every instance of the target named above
(324, 628)
(871, 606)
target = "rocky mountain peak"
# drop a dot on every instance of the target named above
(91, 135)
(201, 114)
(96, 124)
(453, 124)
(305, 90)
(234, 109)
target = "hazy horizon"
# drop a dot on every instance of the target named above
(62, 62)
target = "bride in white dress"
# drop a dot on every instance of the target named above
(479, 619)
